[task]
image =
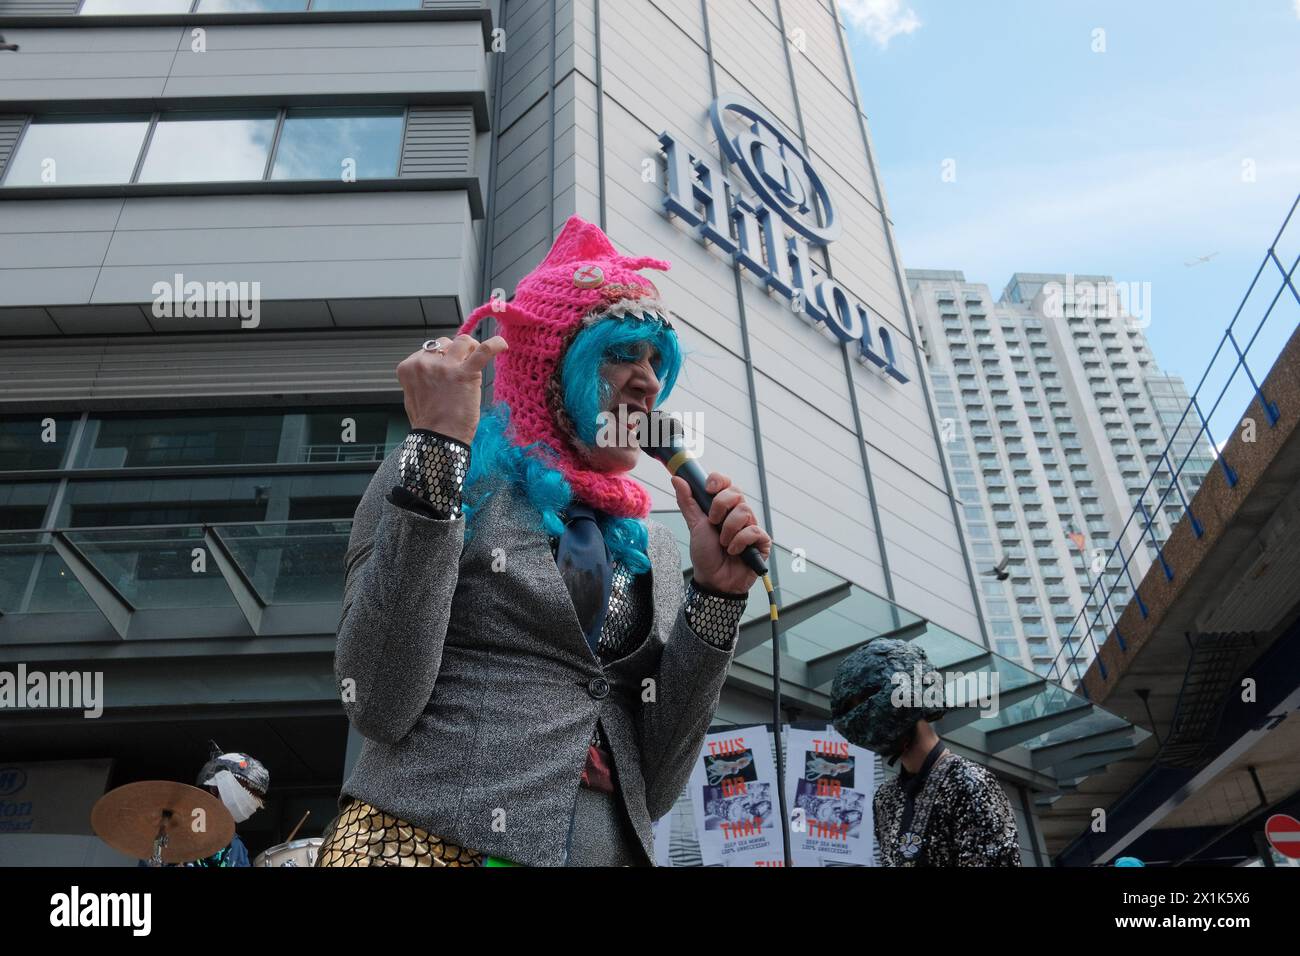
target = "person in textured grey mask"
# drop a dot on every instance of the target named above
(942, 809)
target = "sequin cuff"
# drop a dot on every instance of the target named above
(432, 468)
(713, 616)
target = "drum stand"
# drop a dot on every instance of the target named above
(160, 841)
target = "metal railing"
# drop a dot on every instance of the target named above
(1066, 664)
(335, 453)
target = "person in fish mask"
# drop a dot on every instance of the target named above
(942, 809)
(241, 782)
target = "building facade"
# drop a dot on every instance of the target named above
(224, 223)
(1056, 419)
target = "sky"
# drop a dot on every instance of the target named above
(1127, 139)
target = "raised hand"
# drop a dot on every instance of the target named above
(443, 387)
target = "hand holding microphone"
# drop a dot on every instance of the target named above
(729, 549)
(720, 538)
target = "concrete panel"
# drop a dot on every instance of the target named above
(59, 215)
(27, 250)
(340, 278)
(526, 73)
(51, 285)
(358, 242)
(815, 479)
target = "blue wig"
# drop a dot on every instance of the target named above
(530, 468)
(586, 393)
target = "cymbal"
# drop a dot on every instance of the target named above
(197, 824)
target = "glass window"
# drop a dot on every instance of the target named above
(34, 443)
(211, 510)
(216, 146)
(34, 579)
(241, 438)
(1002, 629)
(250, 6)
(78, 150)
(212, 500)
(351, 435)
(106, 7)
(22, 505)
(327, 143)
(365, 4)
(181, 440)
(1008, 649)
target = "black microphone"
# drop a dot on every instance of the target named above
(664, 438)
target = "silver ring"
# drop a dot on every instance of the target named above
(435, 346)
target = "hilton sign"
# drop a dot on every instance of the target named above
(771, 223)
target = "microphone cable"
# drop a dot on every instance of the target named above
(773, 616)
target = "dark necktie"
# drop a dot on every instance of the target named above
(584, 564)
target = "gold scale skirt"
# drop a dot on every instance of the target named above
(363, 835)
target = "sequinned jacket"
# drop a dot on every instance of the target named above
(962, 818)
(462, 662)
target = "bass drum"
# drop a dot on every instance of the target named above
(298, 853)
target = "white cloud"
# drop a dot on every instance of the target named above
(882, 20)
(1297, 8)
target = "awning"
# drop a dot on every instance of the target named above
(275, 579)
(1052, 736)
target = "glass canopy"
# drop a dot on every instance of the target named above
(1026, 719)
(293, 570)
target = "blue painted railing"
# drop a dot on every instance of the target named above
(1067, 660)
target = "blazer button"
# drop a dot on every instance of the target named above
(598, 688)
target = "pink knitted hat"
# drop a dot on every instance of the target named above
(583, 279)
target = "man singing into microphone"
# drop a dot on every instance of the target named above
(532, 679)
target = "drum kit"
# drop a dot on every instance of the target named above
(292, 853)
(161, 822)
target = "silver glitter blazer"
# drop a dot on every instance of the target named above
(962, 818)
(463, 664)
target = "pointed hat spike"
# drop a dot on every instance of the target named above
(579, 240)
(493, 308)
(644, 262)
